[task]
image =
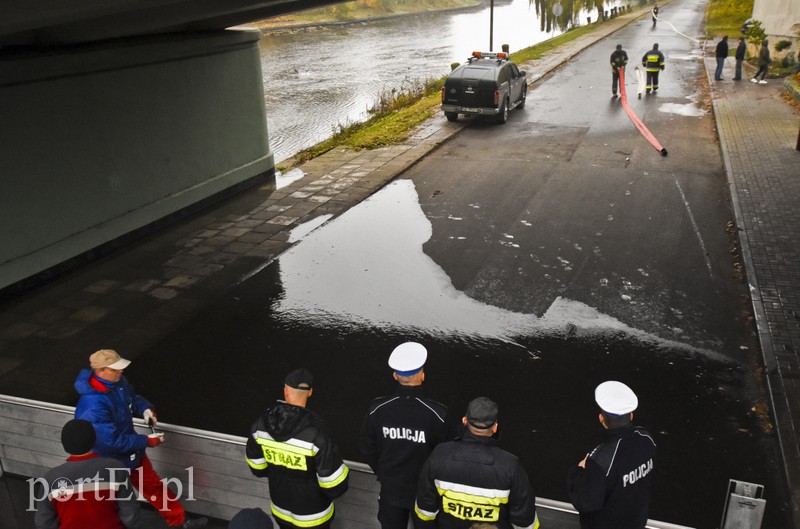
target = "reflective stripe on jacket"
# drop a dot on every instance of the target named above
(472, 480)
(292, 447)
(653, 61)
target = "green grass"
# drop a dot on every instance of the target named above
(390, 124)
(538, 51)
(725, 17)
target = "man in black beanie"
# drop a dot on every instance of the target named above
(87, 490)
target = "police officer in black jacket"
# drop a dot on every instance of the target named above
(399, 432)
(610, 487)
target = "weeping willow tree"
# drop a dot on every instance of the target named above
(570, 9)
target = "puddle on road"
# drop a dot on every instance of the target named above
(368, 268)
(284, 179)
(688, 109)
(353, 288)
(307, 227)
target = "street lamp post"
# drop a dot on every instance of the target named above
(491, 24)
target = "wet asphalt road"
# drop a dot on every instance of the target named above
(534, 260)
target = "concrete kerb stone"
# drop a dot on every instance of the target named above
(782, 395)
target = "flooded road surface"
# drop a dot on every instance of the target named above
(318, 79)
(534, 260)
(352, 289)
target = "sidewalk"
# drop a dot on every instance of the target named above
(182, 266)
(758, 133)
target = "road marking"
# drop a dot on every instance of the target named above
(696, 228)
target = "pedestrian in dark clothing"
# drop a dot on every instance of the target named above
(292, 447)
(721, 54)
(618, 61)
(654, 14)
(472, 480)
(611, 486)
(763, 63)
(653, 62)
(109, 402)
(88, 491)
(399, 432)
(741, 50)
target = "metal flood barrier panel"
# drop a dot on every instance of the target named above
(745, 506)
(208, 468)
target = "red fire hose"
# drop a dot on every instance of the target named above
(635, 119)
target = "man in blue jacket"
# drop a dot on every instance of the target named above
(109, 402)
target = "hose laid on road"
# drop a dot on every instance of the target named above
(676, 29)
(635, 119)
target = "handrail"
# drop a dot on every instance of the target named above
(164, 426)
(568, 508)
(542, 503)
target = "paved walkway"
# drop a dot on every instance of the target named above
(758, 134)
(177, 268)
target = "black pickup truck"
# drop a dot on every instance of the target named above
(488, 84)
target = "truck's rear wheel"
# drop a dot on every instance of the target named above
(502, 117)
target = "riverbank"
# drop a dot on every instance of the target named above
(393, 122)
(339, 15)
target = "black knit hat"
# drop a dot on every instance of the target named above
(78, 437)
(250, 518)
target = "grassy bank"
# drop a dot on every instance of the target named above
(725, 17)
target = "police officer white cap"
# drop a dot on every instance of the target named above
(408, 358)
(615, 398)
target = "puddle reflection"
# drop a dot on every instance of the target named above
(368, 268)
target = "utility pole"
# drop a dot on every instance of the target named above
(491, 24)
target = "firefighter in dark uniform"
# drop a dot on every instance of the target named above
(291, 446)
(610, 487)
(473, 481)
(400, 431)
(653, 62)
(619, 58)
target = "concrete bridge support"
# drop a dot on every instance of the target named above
(99, 140)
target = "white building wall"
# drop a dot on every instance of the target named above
(779, 18)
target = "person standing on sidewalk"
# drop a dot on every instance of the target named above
(763, 63)
(619, 58)
(741, 50)
(721, 54)
(292, 447)
(610, 487)
(109, 402)
(400, 431)
(653, 62)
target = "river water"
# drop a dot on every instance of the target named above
(318, 79)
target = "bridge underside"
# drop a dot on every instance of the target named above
(56, 22)
(119, 115)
